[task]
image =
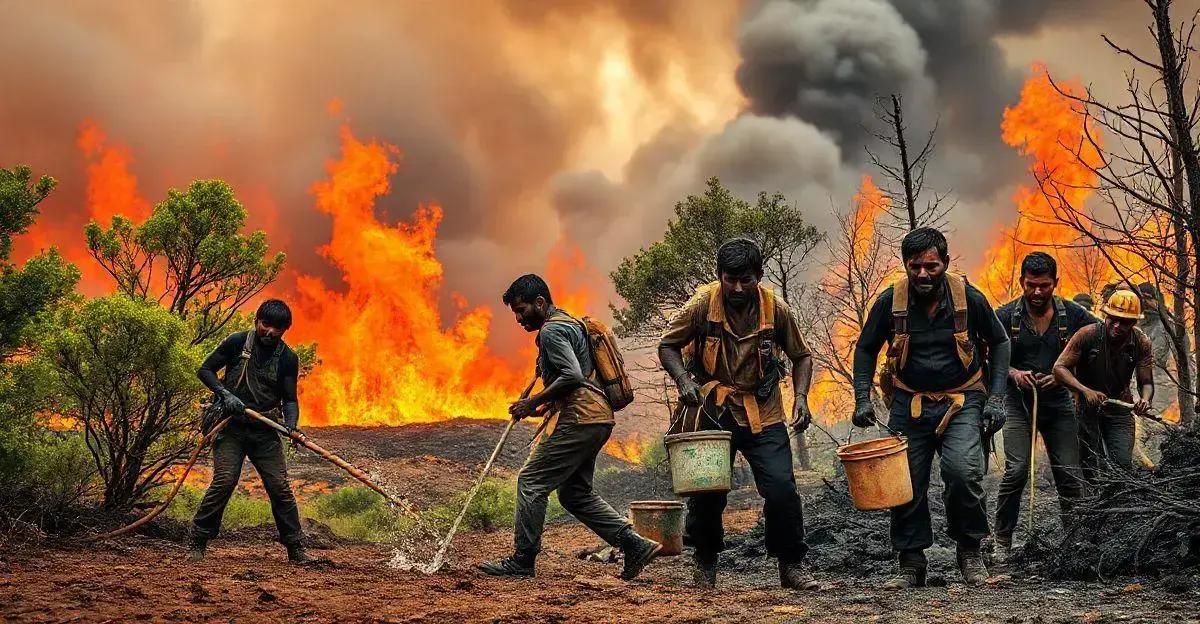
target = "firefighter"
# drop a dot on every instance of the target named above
(260, 372)
(939, 329)
(1040, 325)
(1098, 364)
(737, 330)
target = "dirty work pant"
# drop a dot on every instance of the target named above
(770, 457)
(265, 450)
(1060, 432)
(564, 462)
(1105, 437)
(961, 450)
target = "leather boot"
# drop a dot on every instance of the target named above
(704, 570)
(638, 551)
(1001, 551)
(970, 563)
(909, 575)
(298, 554)
(196, 547)
(513, 566)
(795, 575)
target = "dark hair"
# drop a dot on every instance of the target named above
(738, 256)
(922, 239)
(527, 288)
(1148, 290)
(274, 312)
(1039, 263)
(1084, 300)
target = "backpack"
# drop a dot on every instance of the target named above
(611, 378)
(770, 367)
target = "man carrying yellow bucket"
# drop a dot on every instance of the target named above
(737, 329)
(938, 328)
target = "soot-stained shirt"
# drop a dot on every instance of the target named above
(933, 363)
(1036, 352)
(280, 384)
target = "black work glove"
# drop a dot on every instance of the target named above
(864, 414)
(993, 414)
(232, 405)
(689, 390)
(801, 415)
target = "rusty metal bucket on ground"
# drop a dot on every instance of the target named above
(877, 471)
(661, 521)
(700, 462)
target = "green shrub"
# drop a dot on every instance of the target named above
(655, 460)
(347, 501)
(494, 507)
(360, 513)
(242, 511)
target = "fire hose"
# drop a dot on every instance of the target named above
(293, 434)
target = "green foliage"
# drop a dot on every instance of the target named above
(495, 506)
(358, 512)
(193, 238)
(242, 511)
(45, 280)
(658, 279)
(655, 460)
(19, 197)
(125, 370)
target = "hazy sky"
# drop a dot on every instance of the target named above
(530, 120)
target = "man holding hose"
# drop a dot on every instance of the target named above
(260, 373)
(1040, 324)
(939, 328)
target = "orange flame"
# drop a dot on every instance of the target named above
(572, 283)
(827, 396)
(111, 187)
(1056, 133)
(631, 449)
(385, 357)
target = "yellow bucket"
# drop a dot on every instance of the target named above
(877, 471)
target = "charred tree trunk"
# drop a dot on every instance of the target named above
(1185, 148)
(910, 199)
(1175, 324)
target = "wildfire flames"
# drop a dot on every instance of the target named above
(1053, 131)
(385, 358)
(631, 449)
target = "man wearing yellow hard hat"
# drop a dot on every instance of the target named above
(1098, 364)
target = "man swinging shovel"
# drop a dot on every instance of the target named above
(566, 457)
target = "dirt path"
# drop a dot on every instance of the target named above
(141, 579)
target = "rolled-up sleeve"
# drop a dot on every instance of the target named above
(792, 340)
(684, 325)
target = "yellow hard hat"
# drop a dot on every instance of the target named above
(1123, 304)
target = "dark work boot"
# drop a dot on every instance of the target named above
(638, 551)
(970, 563)
(196, 547)
(704, 572)
(514, 566)
(298, 554)
(795, 575)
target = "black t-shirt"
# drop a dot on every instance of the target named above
(933, 364)
(1034, 352)
(282, 389)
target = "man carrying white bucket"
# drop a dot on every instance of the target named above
(737, 330)
(938, 327)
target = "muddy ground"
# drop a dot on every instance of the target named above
(246, 577)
